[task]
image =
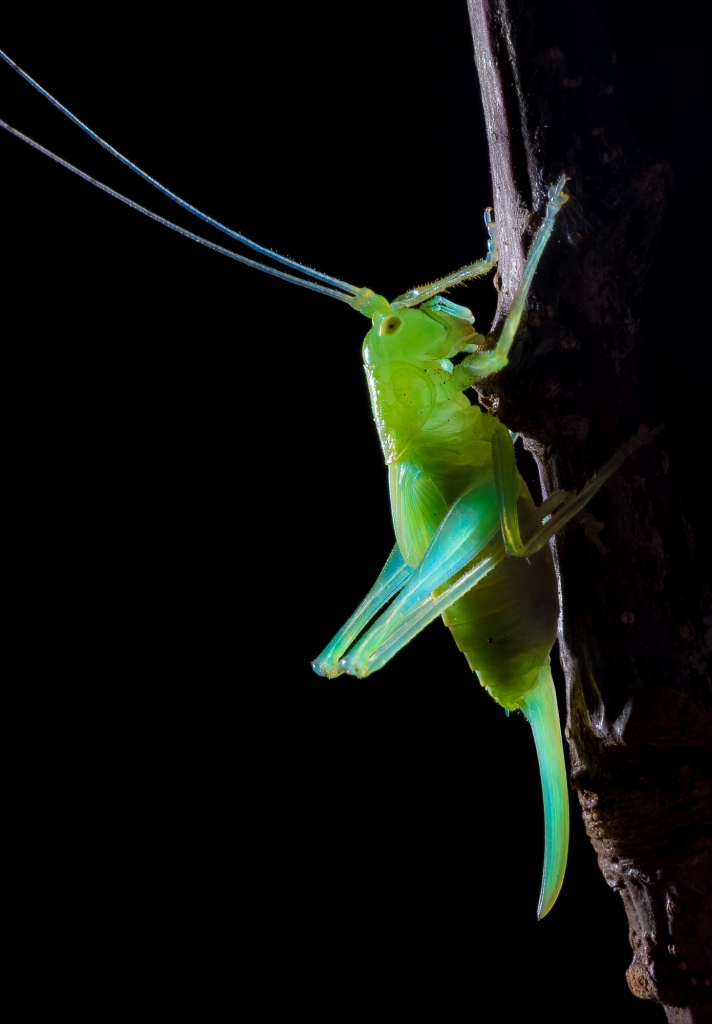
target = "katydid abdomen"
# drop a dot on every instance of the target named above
(506, 626)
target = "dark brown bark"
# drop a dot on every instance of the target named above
(635, 634)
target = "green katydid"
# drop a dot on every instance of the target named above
(470, 544)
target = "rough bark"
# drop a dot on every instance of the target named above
(635, 633)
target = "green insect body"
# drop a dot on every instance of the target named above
(471, 546)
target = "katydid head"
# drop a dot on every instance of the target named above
(408, 335)
(435, 331)
(407, 357)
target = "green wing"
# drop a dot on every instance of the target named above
(417, 507)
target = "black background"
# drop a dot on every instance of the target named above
(202, 502)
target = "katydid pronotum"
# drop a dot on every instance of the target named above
(470, 543)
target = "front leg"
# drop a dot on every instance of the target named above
(482, 363)
(477, 269)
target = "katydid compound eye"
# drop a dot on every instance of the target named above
(389, 325)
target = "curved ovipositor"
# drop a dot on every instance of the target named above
(539, 706)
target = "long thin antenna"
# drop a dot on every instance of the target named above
(171, 195)
(312, 285)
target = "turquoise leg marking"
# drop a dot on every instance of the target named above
(392, 578)
(468, 527)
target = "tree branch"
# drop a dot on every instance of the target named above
(635, 634)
